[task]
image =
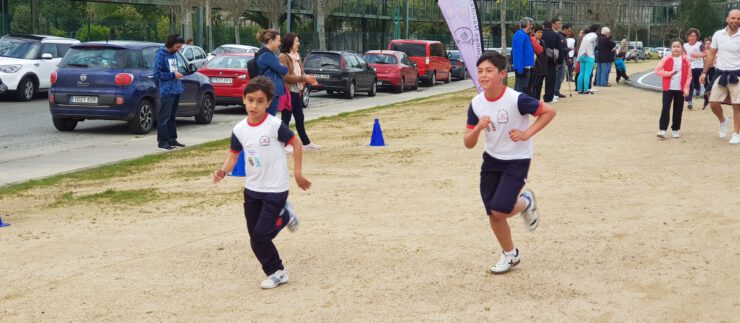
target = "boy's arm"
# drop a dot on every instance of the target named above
(660, 70)
(302, 182)
(708, 63)
(475, 126)
(546, 114)
(229, 163)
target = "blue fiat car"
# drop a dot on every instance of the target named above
(113, 81)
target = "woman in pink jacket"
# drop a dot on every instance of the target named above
(675, 70)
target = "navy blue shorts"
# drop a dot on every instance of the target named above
(501, 181)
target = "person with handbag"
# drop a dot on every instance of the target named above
(268, 65)
(295, 81)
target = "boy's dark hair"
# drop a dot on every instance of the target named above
(261, 83)
(173, 39)
(693, 31)
(555, 20)
(494, 58)
(567, 26)
(595, 28)
(287, 42)
(547, 25)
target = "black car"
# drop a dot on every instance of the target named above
(458, 64)
(341, 71)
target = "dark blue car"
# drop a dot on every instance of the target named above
(113, 81)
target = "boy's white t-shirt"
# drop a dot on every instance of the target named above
(509, 111)
(676, 78)
(263, 144)
(696, 48)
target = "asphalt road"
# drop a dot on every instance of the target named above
(30, 146)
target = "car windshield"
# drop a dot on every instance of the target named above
(410, 49)
(233, 50)
(235, 62)
(19, 48)
(95, 58)
(323, 61)
(455, 55)
(380, 59)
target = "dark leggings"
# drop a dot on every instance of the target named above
(622, 74)
(297, 103)
(677, 97)
(695, 86)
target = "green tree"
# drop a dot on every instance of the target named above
(21, 20)
(93, 32)
(701, 15)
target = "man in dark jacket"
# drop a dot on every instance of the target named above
(563, 57)
(170, 88)
(552, 48)
(605, 58)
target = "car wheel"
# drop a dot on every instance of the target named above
(416, 83)
(64, 124)
(433, 79)
(350, 92)
(26, 89)
(449, 77)
(306, 96)
(464, 75)
(402, 86)
(373, 88)
(206, 110)
(143, 120)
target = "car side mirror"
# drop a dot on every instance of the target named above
(192, 68)
(414, 64)
(46, 56)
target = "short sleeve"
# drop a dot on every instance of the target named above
(714, 40)
(472, 117)
(528, 105)
(236, 145)
(285, 135)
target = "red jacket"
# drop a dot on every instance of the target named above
(665, 69)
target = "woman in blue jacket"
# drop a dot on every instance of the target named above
(268, 65)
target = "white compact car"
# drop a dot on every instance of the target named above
(195, 55)
(232, 48)
(27, 61)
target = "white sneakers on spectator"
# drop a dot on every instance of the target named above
(676, 134)
(735, 139)
(277, 278)
(723, 127)
(311, 147)
(662, 134)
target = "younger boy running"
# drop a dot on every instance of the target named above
(263, 138)
(503, 114)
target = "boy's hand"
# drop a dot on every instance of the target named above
(702, 78)
(302, 182)
(518, 135)
(484, 123)
(218, 175)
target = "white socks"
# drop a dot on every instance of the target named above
(512, 253)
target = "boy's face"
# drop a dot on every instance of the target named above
(256, 103)
(692, 38)
(489, 76)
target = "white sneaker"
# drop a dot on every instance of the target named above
(723, 128)
(277, 278)
(735, 139)
(505, 263)
(530, 215)
(662, 135)
(311, 147)
(676, 134)
(288, 149)
(594, 90)
(293, 221)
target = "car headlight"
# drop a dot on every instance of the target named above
(10, 68)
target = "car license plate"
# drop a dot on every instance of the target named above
(222, 80)
(83, 99)
(380, 82)
(321, 76)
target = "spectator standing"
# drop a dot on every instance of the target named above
(586, 60)
(553, 46)
(605, 57)
(268, 65)
(540, 69)
(522, 53)
(170, 87)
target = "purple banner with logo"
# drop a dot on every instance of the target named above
(463, 21)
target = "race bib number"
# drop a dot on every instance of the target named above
(173, 64)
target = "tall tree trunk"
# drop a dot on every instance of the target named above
(237, 25)
(502, 10)
(209, 30)
(319, 16)
(187, 22)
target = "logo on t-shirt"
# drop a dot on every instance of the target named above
(264, 141)
(502, 116)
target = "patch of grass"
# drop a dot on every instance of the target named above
(112, 196)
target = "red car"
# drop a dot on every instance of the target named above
(394, 69)
(429, 55)
(228, 74)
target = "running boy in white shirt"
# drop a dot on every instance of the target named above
(263, 138)
(503, 114)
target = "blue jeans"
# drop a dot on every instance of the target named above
(584, 77)
(559, 74)
(522, 81)
(166, 124)
(273, 108)
(607, 69)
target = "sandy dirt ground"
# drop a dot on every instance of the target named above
(633, 229)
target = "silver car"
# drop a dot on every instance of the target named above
(195, 55)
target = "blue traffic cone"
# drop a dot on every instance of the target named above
(3, 224)
(377, 139)
(239, 168)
